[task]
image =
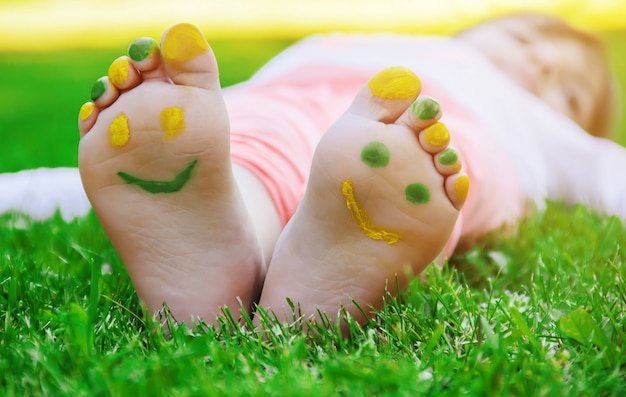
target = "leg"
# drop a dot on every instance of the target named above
(155, 163)
(381, 202)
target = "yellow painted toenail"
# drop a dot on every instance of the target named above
(118, 71)
(395, 83)
(183, 43)
(461, 187)
(119, 133)
(457, 167)
(360, 216)
(437, 135)
(85, 111)
(172, 121)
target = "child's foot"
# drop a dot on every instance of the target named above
(155, 162)
(383, 196)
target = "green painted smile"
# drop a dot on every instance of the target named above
(171, 186)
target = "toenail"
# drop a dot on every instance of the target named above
(119, 133)
(360, 217)
(461, 187)
(425, 108)
(172, 121)
(448, 157)
(395, 83)
(375, 155)
(118, 71)
(86, 110)
(142, 48)
(98, 88)
(183, 43)
(437, 135)
(417, 193)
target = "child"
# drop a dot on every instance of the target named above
(332, 173)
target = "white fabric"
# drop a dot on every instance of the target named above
(39, 193)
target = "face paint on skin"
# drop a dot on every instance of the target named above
(448, 157)
(375, 155)
(461, 187)
(417, 193)
(98, 89)
(172, 121)
(119, 133)
(142, 48)
(437, 134)
(85, 111)
(360, 216)
(425, 108)
(395, 83)
(118, 71)
(170, 186)
(183, 43)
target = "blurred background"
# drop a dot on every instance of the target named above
(51, 51)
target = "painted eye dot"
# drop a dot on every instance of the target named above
(119, 133)
(172, 121)
(417, 193)
(375, 155)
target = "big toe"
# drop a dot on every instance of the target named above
(188, 58)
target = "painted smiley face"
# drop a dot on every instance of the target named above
(173, 123)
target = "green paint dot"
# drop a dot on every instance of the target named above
(417, 193)
(425, 108)
(448, 157)
(140, 49)
(98, 89)
(375, 155)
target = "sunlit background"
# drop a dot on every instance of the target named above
(49, 24)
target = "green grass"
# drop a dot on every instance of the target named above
(539, 314)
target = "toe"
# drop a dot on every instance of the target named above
(387, 95)
(188, 58)
(122, 74)
(435, 138)
(457, 187)
(103, 93)
(448, 161)
(87, 116)
(145, 54)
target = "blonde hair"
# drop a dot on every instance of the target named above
(605, 100)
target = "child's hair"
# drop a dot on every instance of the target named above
(606, 99)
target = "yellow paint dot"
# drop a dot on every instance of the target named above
(86, 110)
(461, 187)
(360, 216)
(395, 83)
(118, 71)
(183, 43)
(437, 134)
(173, 121)
(119, 133)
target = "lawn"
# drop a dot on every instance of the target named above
(541, 314)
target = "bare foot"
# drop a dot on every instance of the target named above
(155, 162)
(383, 196)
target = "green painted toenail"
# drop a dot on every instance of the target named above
(142, 48)
(425, 108)
(448, 157)
(417, 193)
(98, 89)
(170, 186)
(375, 155)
